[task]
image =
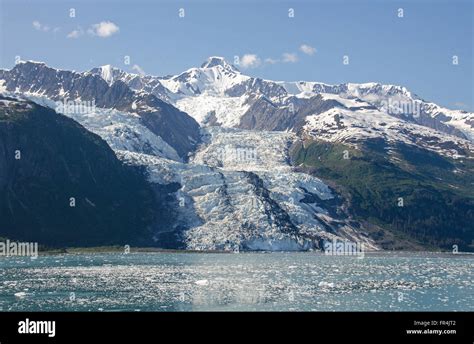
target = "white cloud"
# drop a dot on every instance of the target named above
(37, 25)
(307, 49)
(75, 33)
(40, 27)
(250, 61)
(269, 60)
(138, 69)
(253, 61)
(291, 58)
(103, 29)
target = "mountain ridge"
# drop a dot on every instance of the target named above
(190, 84)
(38, 80)
(163, 88)
(235, 149)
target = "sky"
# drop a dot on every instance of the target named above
(277, 40)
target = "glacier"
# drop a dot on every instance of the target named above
(249, 204)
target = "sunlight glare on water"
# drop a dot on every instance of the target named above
(237, 282)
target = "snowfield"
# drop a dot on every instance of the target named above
(226, 110)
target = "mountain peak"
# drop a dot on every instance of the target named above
(214, 61)
(30, 65)
(106, 72)
(32, 62)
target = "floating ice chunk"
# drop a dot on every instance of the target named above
(202, 282)
(324, 284)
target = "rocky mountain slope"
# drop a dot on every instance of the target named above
(38, 81)
(61, 185)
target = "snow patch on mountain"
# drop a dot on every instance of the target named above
(216, 110)
(297, 87)
(354, 126)
(106, 73)
(462, 120)
(121, 130)
(352, 103)
(213, 80)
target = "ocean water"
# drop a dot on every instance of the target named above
(237, 282)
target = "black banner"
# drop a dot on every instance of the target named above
(429, 327)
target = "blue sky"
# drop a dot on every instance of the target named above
(415, 51)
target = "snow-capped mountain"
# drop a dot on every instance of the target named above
(217, 93)
(145, 83)
(220, 140)
(90, 92)
(355, 125)
(214, 77)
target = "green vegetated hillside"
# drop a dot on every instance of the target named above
(401, 193)
(45, 160)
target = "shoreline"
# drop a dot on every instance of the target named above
(120, 249)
